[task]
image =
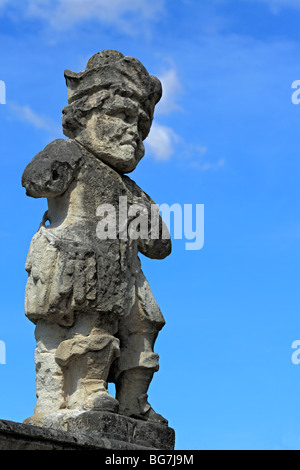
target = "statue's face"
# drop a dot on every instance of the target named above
(115, 132)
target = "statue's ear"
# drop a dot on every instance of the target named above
(156, 89)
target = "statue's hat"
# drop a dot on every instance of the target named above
(110, 69)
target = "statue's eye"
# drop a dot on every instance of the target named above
(117, 114)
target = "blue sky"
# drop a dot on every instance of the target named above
(226, 135)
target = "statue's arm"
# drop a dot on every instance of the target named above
(156, 243)
(52, 170)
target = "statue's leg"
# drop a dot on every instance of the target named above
(138, 363)
(49, 376)
(85, 360)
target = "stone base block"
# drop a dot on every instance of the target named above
(115, 431)
(18, 436)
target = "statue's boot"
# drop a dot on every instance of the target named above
(86, 361)
(131, 392)
(98, 397)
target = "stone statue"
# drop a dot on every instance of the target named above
(95, 315)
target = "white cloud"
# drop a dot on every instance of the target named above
(26, 114)
(162, 139)
(201, 150)
(171, 89)
(196, 157)
(64, 14)
(208, 166)
(161, 142)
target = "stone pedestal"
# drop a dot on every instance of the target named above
(117, 431)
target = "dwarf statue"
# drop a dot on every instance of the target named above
(95, 315)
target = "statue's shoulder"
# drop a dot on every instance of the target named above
(62, 150)
(50, 172)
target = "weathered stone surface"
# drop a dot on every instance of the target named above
(96, 317)
(111, 426)
(19, 436)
